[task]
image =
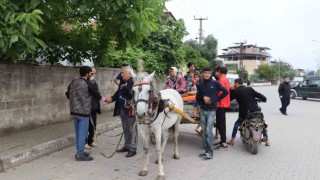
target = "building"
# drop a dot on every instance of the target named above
(245, 56)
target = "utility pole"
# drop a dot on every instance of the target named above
(200, 30)
(241, 43)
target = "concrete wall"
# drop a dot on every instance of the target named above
(32, 96)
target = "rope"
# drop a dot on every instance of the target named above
(96, 139)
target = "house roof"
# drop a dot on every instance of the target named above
(246, 45)
(166, 15)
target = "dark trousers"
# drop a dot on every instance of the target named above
(92, 127)
(221, 123)
(285, 103)
(129, 131)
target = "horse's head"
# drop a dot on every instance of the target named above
(143, 95)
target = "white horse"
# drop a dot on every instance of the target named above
(159, 123)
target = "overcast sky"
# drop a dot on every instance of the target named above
(286, 26)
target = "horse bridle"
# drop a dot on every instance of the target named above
(150, 101)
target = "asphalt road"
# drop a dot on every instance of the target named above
(294, 152)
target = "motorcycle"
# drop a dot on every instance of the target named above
(251, 130)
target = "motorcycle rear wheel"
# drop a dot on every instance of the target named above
(254, 147)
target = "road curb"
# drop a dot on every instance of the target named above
(49, 147)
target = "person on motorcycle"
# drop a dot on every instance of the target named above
(246, 98)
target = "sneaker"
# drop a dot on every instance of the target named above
(207, 156)
(84, 158)
(222, 147)
(217, 144)
(94, 144)
(202, 154)
(85, 153)
(87, 146)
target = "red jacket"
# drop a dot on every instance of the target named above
(225, 102)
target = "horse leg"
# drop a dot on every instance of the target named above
(165, 136)
(159, 153)
(176, 154)
(143, 129)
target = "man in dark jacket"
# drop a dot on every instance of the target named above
(95, 109)
(284, 94)
(207, 97)
(80, 92)
(127, 115)
(246, 98)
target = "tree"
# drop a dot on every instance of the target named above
(19, 29)
(75, 30)
(157, 52)
(208, 51)
(192, 55)
(243, 74)
(209, 48)
(284, 68)
(266, 72)
(216, 63)
(166, 44)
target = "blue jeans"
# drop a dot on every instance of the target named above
(81, 125)
(238, 123)
(206, 122)
(236, 126)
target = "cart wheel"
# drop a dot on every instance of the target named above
(153, 138)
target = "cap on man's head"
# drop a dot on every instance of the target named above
(84, 70)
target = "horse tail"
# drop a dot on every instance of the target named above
(171, 132)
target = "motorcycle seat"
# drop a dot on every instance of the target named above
(256, 114)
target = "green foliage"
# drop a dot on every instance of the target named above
(159, 51)
(284, 68)
(19, 29)
(91, 28)
(166, 42)
(192, 55)
(243, 74)
(200, 53)
(216, 63)
(209, 48)
(266, 72)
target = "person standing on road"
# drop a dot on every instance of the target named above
(246, 98)
(79, 94)
(95, 109)
(127, 114)
(284, 94)
(207, 97)
(222, 106)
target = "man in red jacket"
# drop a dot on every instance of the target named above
(222, 106)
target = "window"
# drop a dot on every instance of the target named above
(314, 83)
(303, 84)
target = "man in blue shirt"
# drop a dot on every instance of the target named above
(207, 97)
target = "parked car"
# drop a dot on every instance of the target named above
(309, 88)
(296, 81)
(234, 106)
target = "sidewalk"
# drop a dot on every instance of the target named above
(25, 146)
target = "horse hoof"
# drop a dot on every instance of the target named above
(161, 177)
(157, 162)
(143, 173)
(176, 156)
